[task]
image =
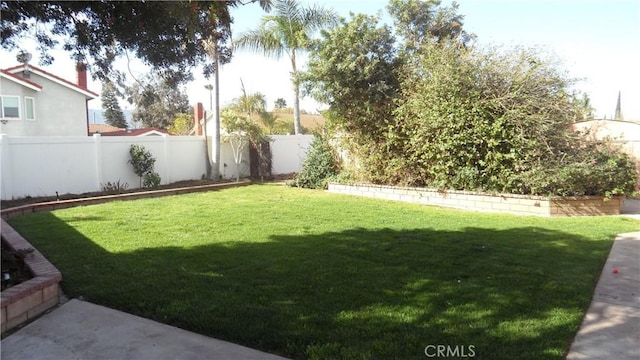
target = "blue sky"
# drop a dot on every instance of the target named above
(598, 41)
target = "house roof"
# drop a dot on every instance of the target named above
(102, 128)
(45, 74)
(137, 132)
(20, 80)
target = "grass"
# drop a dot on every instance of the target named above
(308, 274)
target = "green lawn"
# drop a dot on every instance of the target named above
(308, 274)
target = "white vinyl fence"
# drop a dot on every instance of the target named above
(288, 152)
(42, 166)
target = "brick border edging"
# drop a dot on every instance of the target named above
(31, 298)
(552, 206)
(63, 204)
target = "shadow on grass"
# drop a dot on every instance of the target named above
(359, 293)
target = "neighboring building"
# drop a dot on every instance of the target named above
(102, 129)
(624, 133)
(34, 102)
(152, 131)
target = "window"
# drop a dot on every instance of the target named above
(10, 109)
(29, 108)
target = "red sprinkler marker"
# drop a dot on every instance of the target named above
(615, 270)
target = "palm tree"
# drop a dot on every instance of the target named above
(250, 104)
(206, 141)
(211, 46)
(288, 30)
(215, 48)
(269, 121)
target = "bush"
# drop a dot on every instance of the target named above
(321, 164)
(445, 113)
(115, 187)
(598, 170)
(142, 162)
(151, 179)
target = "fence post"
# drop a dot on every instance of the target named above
(97, 142)
(166, 177)
(6, 189)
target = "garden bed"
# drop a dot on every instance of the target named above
(14, 268)
(96, 198)
(5, 204)
(496, 203)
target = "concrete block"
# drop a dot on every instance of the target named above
(42, 308)
(519, 208)
(407, 198)
(50, 292)
(23, 305)
(13, 322)
(483, 205)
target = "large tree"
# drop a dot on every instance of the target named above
(419, 22)
(165, 35)
(157, 101)
(280, 103)
(111, 108)
(354, 69)
(250, 104)
(288, 30)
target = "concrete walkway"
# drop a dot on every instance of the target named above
(81, 330)
(611, 327)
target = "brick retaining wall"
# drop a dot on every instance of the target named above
(31, 298)
(499, 203)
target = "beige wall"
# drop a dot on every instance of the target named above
(625, 133)
(59, 111)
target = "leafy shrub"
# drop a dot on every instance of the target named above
(115, 187)
(345, 176)
(321, 163)
(142, 161)
(151, 179)
(607, 172)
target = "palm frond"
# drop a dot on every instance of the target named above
(316, 18)
(260, 41)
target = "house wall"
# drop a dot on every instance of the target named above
(21, 126)
(43, 165)
(59, 111)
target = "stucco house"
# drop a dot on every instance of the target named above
(34, 102)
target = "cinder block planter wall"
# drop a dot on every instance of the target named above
(499, 203)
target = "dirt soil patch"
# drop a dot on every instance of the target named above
(5, 204)
(14, 270)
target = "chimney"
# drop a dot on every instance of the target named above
(198, 114)
(81, 70)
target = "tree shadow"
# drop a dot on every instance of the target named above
(359, 293)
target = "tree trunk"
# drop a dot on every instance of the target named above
(216, 114)
(296, 95)
(206, 149)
